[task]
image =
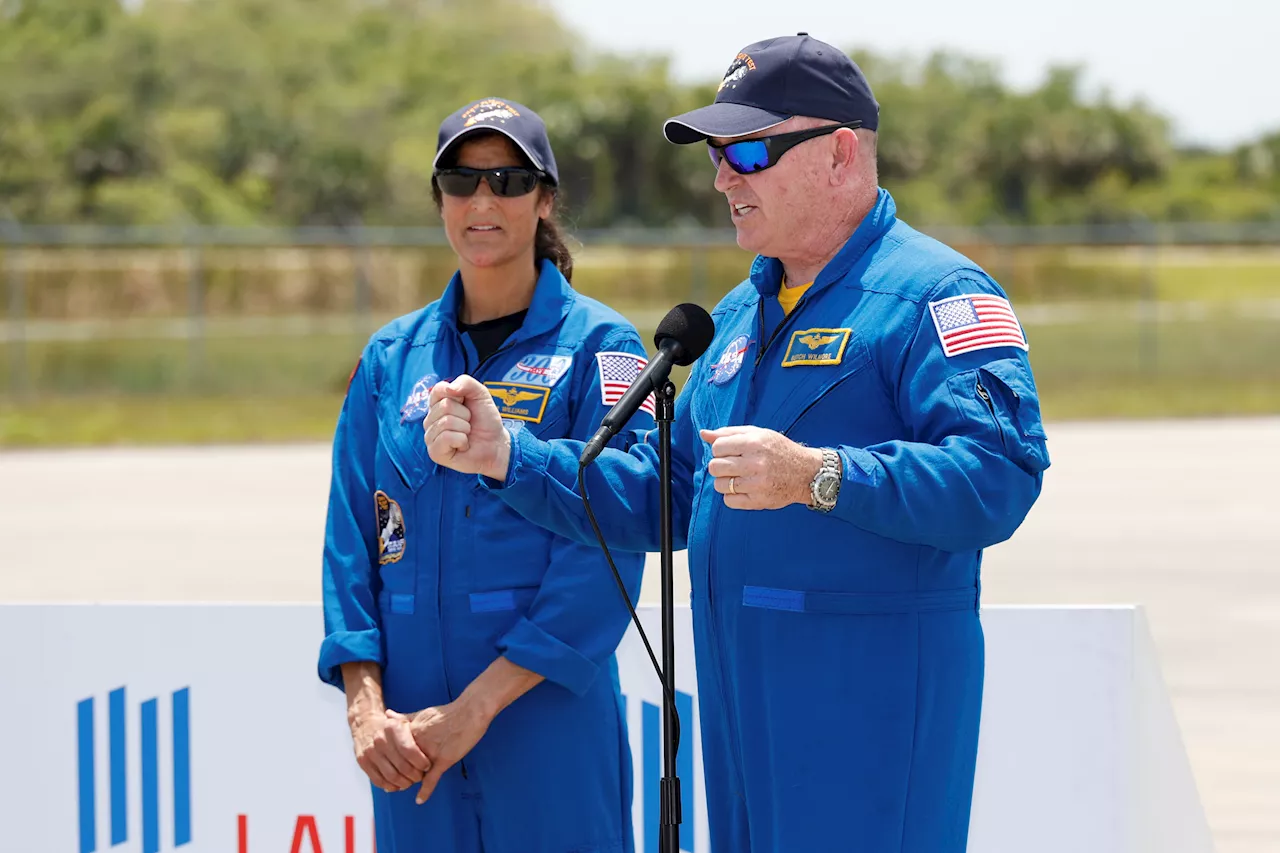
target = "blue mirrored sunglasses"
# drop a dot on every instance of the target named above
(756, 155)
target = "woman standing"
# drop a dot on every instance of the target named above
(475, 648)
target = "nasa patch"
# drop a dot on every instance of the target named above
(391, 533)
(544, 370)
(418, 403)
(730, 361)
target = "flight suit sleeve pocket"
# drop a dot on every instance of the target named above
(1003, 394)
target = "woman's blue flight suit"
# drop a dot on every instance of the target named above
(432, 577)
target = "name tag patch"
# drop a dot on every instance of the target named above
(816, 346)
(544, 370)
(520, 401)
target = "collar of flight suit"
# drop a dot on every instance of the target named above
(552, 299)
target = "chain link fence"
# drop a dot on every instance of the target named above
(1174, 311)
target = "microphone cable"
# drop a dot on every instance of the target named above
(635, 618)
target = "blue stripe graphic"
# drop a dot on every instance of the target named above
(181, 767)
(119, 768)
(150, 781)
(88, 817)
(652, 738)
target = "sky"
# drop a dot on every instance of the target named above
(1212, 68)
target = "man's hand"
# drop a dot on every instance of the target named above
(464, 431)
(758, 468)
(445, 733)
(386, 752)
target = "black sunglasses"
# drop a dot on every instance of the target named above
(508, 181)
(756, 155)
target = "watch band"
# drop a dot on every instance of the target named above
(830, 470)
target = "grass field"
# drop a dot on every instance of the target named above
(1091, 361)
(1115, 332)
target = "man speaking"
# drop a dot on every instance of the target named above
(864, 424)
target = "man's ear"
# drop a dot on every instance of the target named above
(844, 153)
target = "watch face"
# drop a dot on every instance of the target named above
(828, 488)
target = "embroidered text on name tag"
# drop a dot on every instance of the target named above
(519, 401)
(816, 346)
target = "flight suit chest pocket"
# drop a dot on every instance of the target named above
(711, 405)
(403, 442)
(842, 378)
(509, 553)
(717, 384)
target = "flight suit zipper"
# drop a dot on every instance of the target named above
(444, 656)
(727, 701)
(462, 764)
(713, 510)
(985, 396)
(787, 318)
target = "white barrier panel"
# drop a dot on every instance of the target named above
(153, 728)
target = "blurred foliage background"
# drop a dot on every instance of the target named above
(206, 205)
(324, 112)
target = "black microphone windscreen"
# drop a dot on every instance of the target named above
(691, 327)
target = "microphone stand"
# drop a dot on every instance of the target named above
(669, 790)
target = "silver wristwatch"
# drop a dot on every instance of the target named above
(825, 488)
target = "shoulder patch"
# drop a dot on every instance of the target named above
(976, 321)
(617, 371)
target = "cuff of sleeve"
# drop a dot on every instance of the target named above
(860, 472)
(348, 647)
(529, 646)
(527, 454)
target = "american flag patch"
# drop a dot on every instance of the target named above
(976, 321)
(617, 371)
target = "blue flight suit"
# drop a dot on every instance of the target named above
(433, 578)
(839, 655)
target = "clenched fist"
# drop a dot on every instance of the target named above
(464, 431)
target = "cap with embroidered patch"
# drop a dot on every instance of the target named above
(772, 80)
(513, 120)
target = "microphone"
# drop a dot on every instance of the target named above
(682, 336)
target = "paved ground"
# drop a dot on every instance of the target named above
(1183, 518)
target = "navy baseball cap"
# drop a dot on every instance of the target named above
(772, 80)
(513, 120)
